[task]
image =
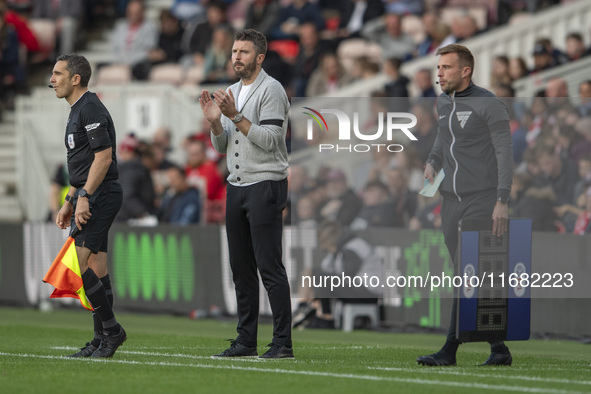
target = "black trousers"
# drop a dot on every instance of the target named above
(476, 206)
(255, 232)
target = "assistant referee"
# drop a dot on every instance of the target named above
(94, 197)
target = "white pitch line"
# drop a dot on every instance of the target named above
(306, 373)
(176, 355)
(481, 375)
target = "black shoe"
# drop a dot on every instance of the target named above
(237, 349)
(503, 358)
(110, 343)
(86, 351)
(302, 314)
(436, 360)
(278, 351)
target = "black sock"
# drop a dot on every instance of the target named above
(498, 347)
(106, 281)
(450, 348)
(98, 330)
(98, 324)
(98, 298)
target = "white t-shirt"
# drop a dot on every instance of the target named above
(242, 96)
(239, 104)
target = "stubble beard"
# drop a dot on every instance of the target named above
(247, 70)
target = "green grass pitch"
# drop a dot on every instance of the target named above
(166, 354)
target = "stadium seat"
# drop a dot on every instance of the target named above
(171, 73)
(194, 75)
(113, 75)
(345, 314)
(45, 32)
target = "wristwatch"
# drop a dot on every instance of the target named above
(84, 193)
(237, 118)
(503, 200)
(68, 198)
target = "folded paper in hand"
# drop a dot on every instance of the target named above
(428, 189)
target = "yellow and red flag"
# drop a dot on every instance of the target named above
(64, 275)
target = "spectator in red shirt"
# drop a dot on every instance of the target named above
(203, 173)
(16, 16)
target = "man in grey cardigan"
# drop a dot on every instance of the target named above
(248, 124)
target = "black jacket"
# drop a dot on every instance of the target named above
(473, 144)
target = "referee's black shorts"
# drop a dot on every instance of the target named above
(104, 205)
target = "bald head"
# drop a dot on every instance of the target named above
(556, 87)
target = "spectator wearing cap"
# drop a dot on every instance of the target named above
(342, 205)
(558, 57)
(136, 181)
(542, 58)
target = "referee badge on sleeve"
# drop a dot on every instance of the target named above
(71, 143)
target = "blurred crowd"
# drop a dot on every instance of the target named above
(159, 190)
(552, 171)
(35, 32)
(316, 47)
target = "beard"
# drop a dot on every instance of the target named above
(247, 69)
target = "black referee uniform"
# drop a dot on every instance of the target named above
(90, 129)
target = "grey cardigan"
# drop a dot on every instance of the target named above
(262, 155)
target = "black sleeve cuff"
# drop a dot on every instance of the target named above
(503, 194)
(436, 166)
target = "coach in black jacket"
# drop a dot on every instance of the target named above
(473, 146)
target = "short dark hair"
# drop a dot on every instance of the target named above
(464, 55)
(77, 64)
(257, 38)
(576, 36)
(179, 170)
(394, 62)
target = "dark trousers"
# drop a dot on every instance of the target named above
(255, 232)
(476, 206)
